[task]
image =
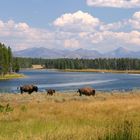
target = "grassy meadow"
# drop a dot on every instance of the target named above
(67, 116)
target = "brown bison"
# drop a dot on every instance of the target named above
(86, 91)
(50, 92)
(28, 88)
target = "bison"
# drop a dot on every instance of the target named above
(28, 88)
(86, 91)
(50, 92)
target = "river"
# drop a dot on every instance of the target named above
(63, 81)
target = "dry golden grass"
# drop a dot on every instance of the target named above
(67, 116)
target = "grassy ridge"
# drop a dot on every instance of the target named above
(109, 116)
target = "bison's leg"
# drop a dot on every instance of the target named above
(21, 90)
(80, 94)
(29, 92)
(49, 93)
(93, 94)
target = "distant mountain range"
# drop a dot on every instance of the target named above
(79, 53)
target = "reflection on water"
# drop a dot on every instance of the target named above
(72, 80)
(77, 84)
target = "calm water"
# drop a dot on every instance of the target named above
(72, 80)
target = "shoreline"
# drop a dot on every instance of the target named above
(90, 70)
(12, 76)
(74, 93)
(103, 71)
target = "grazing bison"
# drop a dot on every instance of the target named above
(86, 91)
(50, 92)
(28, 88)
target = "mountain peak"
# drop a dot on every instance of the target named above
(55, 53)
(43, 52)
(121, 49)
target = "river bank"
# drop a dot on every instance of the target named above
(69, 116)
(11, 76)
(103, 71)
(89, 70)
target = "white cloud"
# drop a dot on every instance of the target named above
(72, 31)
(130, 24)
(22, 26)
(114, 3)
(22, 36)
(78, 21)
(112, 26)
(135, 20)
(1, 24)
(71, 43)
(132, 37)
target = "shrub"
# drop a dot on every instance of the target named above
(23, 108)
(6, 108)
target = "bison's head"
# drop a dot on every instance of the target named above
(35, 88)
(79, 91)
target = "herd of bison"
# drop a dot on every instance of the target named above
(88, 91)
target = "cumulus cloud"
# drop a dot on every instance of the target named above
(114, 3)
(84, 22)
(73, 30)
(130, 24)
(78, 21)
(135, 20)
(108, 38)
(132, 37)
(22, 36)
(112, 26)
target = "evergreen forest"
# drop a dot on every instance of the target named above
(8, 64)
(65, 63)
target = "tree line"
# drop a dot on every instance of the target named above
(8, 64)
(65, 63)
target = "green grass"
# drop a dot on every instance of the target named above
(11, 76)
(72, 129)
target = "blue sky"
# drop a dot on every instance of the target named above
(39, 13)
(90, 24)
